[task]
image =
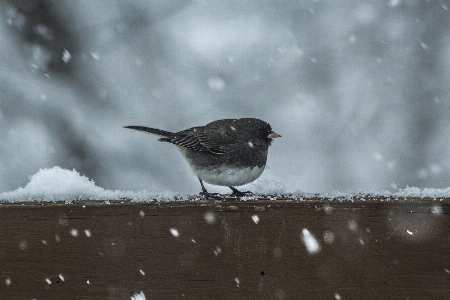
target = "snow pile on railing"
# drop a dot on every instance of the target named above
(57, 184)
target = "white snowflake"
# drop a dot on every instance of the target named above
(174, 232)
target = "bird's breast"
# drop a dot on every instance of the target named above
(228, 176)
(233, 169)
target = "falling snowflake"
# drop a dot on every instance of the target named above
(174, 232)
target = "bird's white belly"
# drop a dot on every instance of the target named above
(225, 175)
(229, 176)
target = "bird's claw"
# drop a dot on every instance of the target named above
(237, 193)
(241, 194)
(208, 195)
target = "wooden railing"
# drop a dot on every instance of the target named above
(316, 248)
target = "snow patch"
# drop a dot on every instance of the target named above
(423, 193)
(267, 187)
(58, 184)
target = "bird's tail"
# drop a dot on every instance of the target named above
(151, 130)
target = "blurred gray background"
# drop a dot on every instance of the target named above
(359, 90)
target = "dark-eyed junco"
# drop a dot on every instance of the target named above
(229, 152)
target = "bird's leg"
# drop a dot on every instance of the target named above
(206, 194)
(238, 193)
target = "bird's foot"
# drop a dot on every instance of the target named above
(209, 196)
(204, 193)
(237, 193)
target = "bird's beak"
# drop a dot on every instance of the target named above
(273, 135)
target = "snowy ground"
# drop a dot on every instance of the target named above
(58, 184)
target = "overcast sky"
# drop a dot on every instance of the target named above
(359, 90)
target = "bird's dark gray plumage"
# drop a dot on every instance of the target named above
(228, 152)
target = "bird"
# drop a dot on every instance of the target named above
(227, 152)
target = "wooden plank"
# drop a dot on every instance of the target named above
(226, 250)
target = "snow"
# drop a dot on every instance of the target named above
(423, 193)
(216, 84)
(255, 219)
(58, 184)
(217, 251)
(210, 217)
(311, 243)
(377, 134)
(267, 187)
(23, 245)
(139, 296)
(436, 209)
(352, 225)
(237, 281)
(95, 55)
(174, 232)
(328, 237)
(66, 56)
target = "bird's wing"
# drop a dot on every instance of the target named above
(197, 139)
(213, 146)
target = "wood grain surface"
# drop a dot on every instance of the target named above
(373, 249)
